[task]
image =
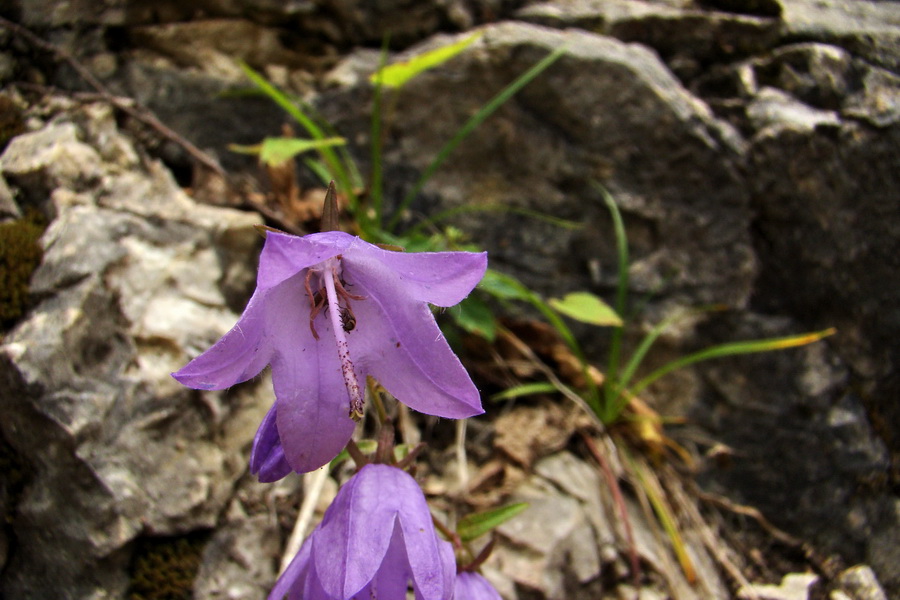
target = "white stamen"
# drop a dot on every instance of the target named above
(334, 313)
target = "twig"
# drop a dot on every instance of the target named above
(620, 504)
(315, 482)
(820, 563)
(137, 111)
(753, 513)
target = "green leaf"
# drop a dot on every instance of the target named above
(473, 315)
(733, 349)
(396, 75)
(587, 308)
(475, 525)
(501, 287)
(277, 150)
(526, 389)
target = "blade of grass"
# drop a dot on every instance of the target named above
(475, 525)
(398, 74)
(652, 487)
(620, 400)
(610, 390)
(329, 155)
(732, 349)
(470, 125)
(525, 389)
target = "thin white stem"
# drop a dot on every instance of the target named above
(337, 326)
(313, 484)
(462, 462)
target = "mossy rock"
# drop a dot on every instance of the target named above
(165, 568)
(20, 255)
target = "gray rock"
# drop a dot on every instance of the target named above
(129, 288)
(820, 75)
(239, 562)
(830, 78)
(860, 583)
(677, 30)
(772, 110)
(794, 586)
(572, 532)
(53, 157)
(550, 547)
(878, 102)
(214, 46)
(868, 28)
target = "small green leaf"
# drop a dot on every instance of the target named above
(475, 525)
(397, 74)
(502, 287)
(526, 389)
(587, 308)
(473, 315)
(277, 150)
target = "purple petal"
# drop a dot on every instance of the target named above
(284, 255)
(472, 586)
(241, 353)
(312, 405)
(448, 561)
(294, 577)
(392, 579)
(441, 278)
(397, 341)
(267, 455)
(358, 527)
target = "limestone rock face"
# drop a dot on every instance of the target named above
(133, 282)
(750, 145)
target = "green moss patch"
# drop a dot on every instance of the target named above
(165, 568)
(20, 255)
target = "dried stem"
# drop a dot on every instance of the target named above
(313, 483)
(620, 504)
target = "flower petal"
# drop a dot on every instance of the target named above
(239, 355)
(441, 278)
(358, 527)
(312, 405)
(397, 341)
(285, 255)
(472, 586)
(392, 578)
(294, 577)
(448, 560)
(267, 455)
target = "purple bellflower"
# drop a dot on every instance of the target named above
(376, 539)
(472, 586)
(329, 310)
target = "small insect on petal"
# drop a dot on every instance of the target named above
(348, 321)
